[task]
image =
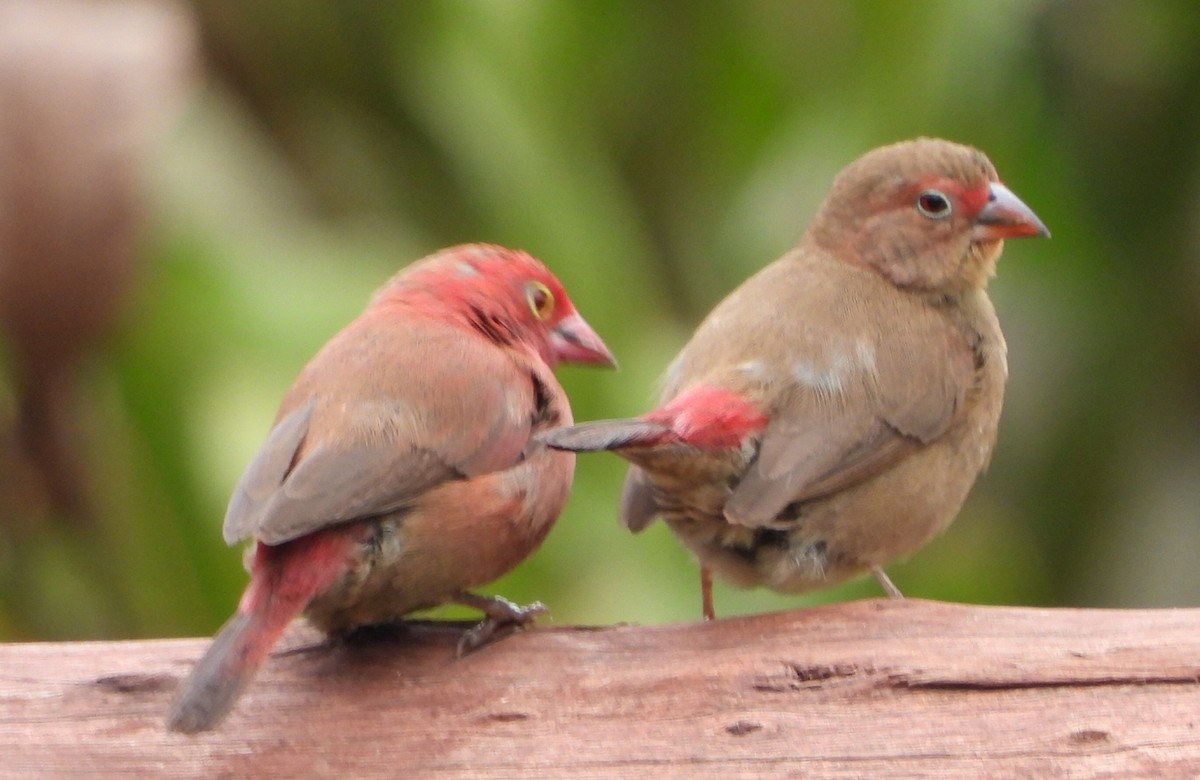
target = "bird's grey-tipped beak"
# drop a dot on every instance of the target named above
(572, 340)
(1005, 216)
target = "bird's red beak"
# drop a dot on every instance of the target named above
(572, 340)
(1005, 216)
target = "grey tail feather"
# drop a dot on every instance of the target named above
(638, 505)
(209, 692)
(605, 435)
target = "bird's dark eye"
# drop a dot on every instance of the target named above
(934, 204)
(541, 300)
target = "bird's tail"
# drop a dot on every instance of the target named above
(208, 694)
(607, 435)
(706, 417)
(283, 579)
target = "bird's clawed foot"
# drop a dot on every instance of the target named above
(500, 614)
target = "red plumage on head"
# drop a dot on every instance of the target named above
(507, 295)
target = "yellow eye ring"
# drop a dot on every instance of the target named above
(540, 299)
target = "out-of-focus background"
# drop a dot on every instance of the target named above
(194, 197)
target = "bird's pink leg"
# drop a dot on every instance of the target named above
(706, 601)
(885, 582)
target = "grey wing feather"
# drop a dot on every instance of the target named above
(638, 505)
(350, 451)
(331, 486)
(280, 498)
(801, 465)
(815, 449)
(265, 474)
(285, 495)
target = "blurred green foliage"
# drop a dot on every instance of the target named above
(654, 154)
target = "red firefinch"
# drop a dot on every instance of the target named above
(402, 469)
(832, 413)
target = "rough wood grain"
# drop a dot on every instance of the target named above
(864, 689)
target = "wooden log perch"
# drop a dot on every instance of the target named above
(862, 689)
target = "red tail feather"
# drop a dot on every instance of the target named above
(283, 579)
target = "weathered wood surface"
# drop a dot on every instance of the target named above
(863, 689)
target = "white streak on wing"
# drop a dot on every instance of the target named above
(753, 369)
(823, 379)
(841, 365)
(865, 353)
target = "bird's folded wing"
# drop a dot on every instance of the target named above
(327, 485)
(441, 423)
(798, 463)
(819, 444)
